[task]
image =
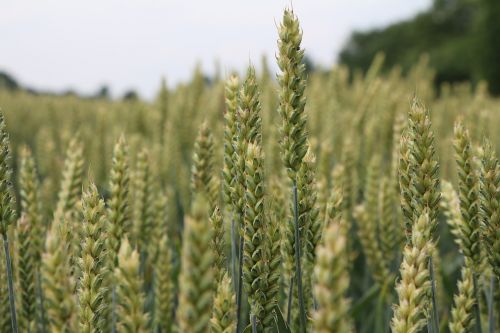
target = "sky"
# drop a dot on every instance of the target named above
(131, 44)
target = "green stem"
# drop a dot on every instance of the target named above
(254, 324)
(365, 299)
(240, 285)
(435, 314)
(10, 278)
(298, 273)
(491, 306)
(477, 311)
(233, 256)
(290, 297)
(380, 309)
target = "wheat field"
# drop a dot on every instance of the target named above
(266, 202)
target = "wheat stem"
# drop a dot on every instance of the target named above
(298, 271)
(10, 281)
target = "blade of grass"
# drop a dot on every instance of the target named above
(298, 272)
(367, 297)
(380, 309)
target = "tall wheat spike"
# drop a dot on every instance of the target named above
(93, 289)
(292, 101)
(256, 248)
(249, 131)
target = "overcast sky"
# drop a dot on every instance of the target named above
(131, 44)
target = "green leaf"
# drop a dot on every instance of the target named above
(248, 329)
(280, 322)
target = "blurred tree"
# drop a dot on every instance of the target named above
(8, 82)
(461, 38)
(489, 31)
(103, 92)
(130, 95)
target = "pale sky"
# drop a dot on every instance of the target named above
(131, 44)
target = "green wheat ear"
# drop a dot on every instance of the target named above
(6, 196)
(224, 314)
(29, 188)
(93, 287)
(367, 219)
(218, 242)
(129, 292)
(7, 215)
(26, 262)
(424, 167)
(164, 287)
(118, 213)
(71, 184)
(230, 137)
(142, 207)
(414, 286)
(391, 235)
(490, 206)
(57, 280)
(196, 279)
(255, 250)
(292, 101)
(309, 222)
(5, 321)
(203, 179)
(332, 282)
(468, 184)
(462, 319)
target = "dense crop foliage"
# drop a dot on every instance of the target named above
(328, 203)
